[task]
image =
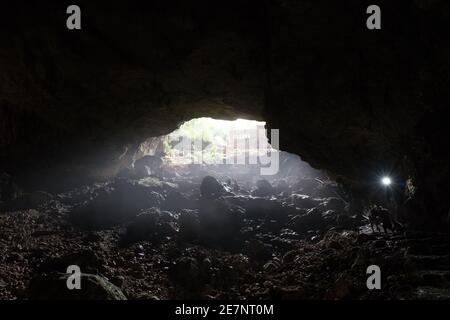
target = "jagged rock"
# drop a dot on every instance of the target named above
(328, 189)
(54, 287)
(148, 226)
(186, 272)
(211, 188)
(134, 196)
(147, 165)
(259, 208)
(168, 216)
(259, 251)
(312, 220)
(330, 216)
(290, 256)
(335, 204)
(305, 186)
(263, 189)
(167, 229)
(304, 201)
(100, 213)
(143, 227)
(115, 205)
(239, 262)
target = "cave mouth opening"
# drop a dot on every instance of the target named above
(237, 150)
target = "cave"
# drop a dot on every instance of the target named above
(92, 119)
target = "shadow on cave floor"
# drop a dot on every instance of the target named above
(213, 232)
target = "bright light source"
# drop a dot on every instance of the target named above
(212, 141)
(386, 181)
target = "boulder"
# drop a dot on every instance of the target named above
(148, 225)
(259, 208)
(333, 203)
(114, 205)
(303, 201)
(305, 186)
(134, 196)
(148, 165)
(312, 220)
(168, 216)
(211, 188)
(54, 287)
(143, 227)
(259, 251)
(263, 189)
(102, 212)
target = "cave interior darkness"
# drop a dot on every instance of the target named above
(91, 119)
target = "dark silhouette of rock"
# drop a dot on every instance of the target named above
(303, 201)
(263, 189)
(335, 204)
(148, 165)
(312, 220)
(148, 225)
(211, 188)
(116, 204)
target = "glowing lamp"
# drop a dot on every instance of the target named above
(386, 181)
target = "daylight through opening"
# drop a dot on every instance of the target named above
(238, 150)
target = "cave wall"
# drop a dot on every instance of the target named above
(73, 101)
(367, 103)
(355, 102)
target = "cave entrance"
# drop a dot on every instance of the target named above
(236, 150)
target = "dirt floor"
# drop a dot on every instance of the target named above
(192, 241)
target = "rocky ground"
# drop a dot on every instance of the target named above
(193, 238)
